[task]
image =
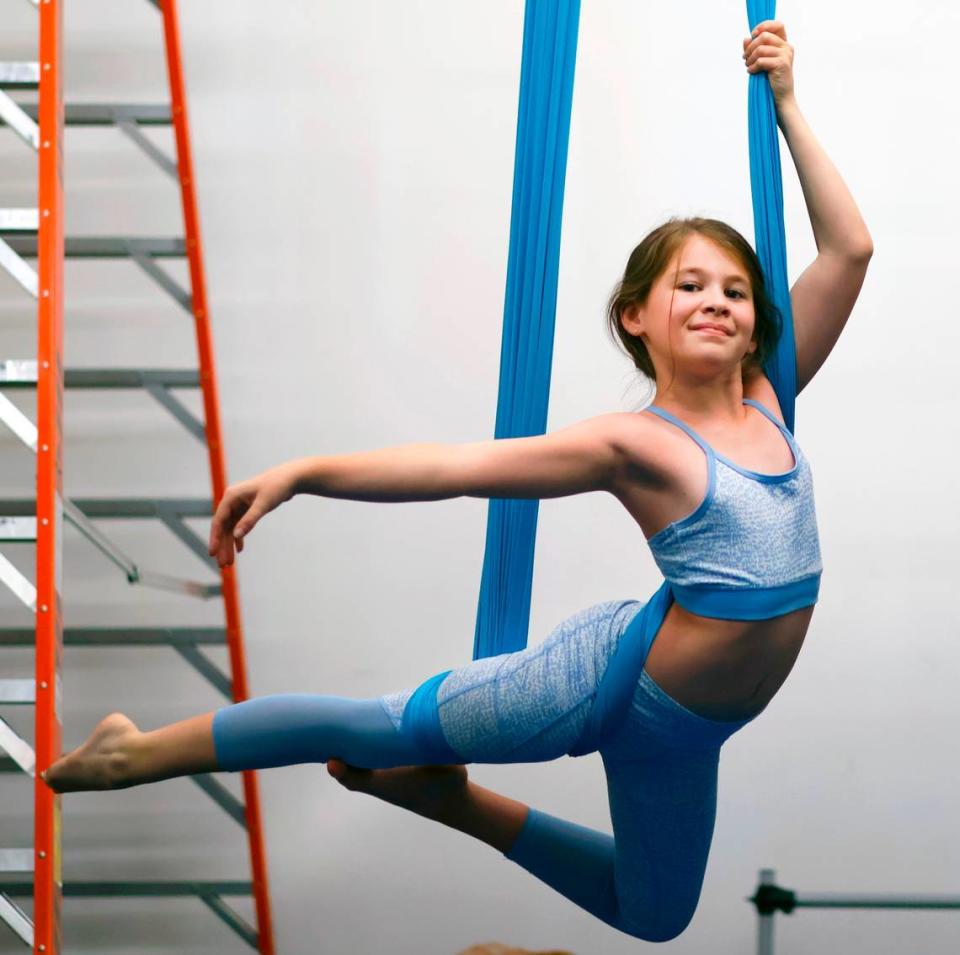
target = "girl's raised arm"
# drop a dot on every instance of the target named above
(824, 295)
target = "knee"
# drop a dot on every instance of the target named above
(662, 923)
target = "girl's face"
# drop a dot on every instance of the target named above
(711, 288)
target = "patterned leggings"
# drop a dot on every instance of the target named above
(530, 706)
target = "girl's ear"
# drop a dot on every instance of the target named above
(631, 318)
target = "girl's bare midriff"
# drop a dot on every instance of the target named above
(719, 669)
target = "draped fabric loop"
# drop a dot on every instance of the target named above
(543, 127)
(529, 313)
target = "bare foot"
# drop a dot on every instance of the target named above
(426, 790)
(100, 763)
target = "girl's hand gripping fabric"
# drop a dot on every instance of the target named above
(767, 50)
(242, 506)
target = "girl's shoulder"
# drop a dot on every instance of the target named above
(757, 387)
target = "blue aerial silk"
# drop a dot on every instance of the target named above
(529, 311)
(766, 187)
(543, 124)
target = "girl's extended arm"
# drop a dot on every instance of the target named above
(588, 456)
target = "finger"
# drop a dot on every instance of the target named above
(764, 40)
(765, 63)
(770, 52)
(770, 26)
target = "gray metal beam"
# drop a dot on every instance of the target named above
(132, 508)
(12, 915)
(132, 130)
(109, 114)
(177, 637)
(16, 860)
(222, 797)
(19, 76)
(105, 247)
(99, 890)
(17, 692)
(22, 373)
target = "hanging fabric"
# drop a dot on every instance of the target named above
(529, 312)
(766, 187)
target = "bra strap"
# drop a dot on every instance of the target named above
(685, 427)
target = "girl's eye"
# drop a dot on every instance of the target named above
(687, 285)
(738, 292)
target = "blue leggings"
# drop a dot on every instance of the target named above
(530, 706)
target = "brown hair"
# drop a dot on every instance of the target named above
(649, 260)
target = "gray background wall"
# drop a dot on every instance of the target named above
(354, 163)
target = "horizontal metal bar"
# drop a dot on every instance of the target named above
(17, 692)
(97, 890)
(122, 636)
(15, 917)
(133, 508)
(18, 76)
(109, 114)
(16, 860)
(841, 901)
(16, 373)
(105, 247)
(18, 530)
(17, 748)
(19, 220)
(131, 378)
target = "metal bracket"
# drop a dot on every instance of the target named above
(11, 262)
(222, 797)
(17, 748)
(173, 288)
(14, 115)
(22, 588)
(178, 410)
(14, 916)
(128, 126)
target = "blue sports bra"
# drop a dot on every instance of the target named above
(751, 549)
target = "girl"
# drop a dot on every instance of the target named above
(724, 497)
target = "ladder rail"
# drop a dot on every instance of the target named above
(48, 874)
(208, 383)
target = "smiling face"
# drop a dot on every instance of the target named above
(703, 285)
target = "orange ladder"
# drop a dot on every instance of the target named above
(38, 234)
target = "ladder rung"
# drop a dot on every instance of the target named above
(129, 508)
(18, 530)
(18, 76)
(16, 860)
(14, 692)
(92, 890)
(23, 373)
(122, 636)
(18, 220)
(108, 114)
(104, 247)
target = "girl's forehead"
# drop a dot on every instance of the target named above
(701, 254)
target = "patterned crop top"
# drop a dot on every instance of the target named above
(751, 549)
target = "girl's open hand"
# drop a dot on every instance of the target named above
(242, 505)
(767, 50)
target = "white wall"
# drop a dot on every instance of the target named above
(354, 163)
